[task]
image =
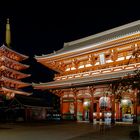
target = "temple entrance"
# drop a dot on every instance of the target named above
(86, 105)
(83, 107)
(68, 109)
(127, 110)
(105, 109)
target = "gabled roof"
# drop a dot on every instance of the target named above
(94, 41)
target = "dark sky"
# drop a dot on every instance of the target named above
(40, 28)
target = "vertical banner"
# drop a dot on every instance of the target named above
(102, 58)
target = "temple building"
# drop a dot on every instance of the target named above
(86, 69)
(10, 66)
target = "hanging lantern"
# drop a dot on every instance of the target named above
(104, 102)
(86, 104)
(126, 102)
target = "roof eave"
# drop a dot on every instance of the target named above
(82, 48)
(50, 85)
(22, 55)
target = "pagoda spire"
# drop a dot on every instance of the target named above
(8, 34)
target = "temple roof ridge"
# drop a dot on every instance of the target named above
(5, 67)
(11, 50)
(16, 91)
(96, 40)
(14, 80)
(14, 61)
(128, 25)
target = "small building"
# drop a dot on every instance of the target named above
(22, 108)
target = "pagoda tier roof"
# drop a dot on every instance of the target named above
(21, 75)
(77, 82)
(22, 84)
(4, 58)
(94, 42)
(19, 56)
(7, 90)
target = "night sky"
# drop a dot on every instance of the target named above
(40, 28)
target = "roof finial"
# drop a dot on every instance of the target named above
(8, 33)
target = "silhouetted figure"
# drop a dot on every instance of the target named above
(101, 127)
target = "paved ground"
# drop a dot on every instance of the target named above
(64, 131)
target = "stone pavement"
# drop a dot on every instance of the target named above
(116, 132)
(65, 131)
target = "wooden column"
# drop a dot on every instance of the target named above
(74, 90)
(98, 111)
(113, 104)
(61, 107)
(75, 107)
(91, 110)
(113, 109)
(135, 103)
(91, 91)
(117, 110)
(83, 115)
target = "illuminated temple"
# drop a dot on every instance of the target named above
(86, 69)
(10, 66)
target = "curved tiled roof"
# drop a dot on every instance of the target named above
(22, 56)
(82, 81)
(97, 39)
(15, 91)
(14, 61)
(22, 75)
(23, 84)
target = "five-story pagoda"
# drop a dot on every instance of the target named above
(10, 66)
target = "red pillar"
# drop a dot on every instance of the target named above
(83, 110)
(113, 109)
(117, 110)
(75, 108)
(91, 109)
(98, 111)
(61, 107)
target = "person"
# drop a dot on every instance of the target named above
(134, 118)
(101, 127)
